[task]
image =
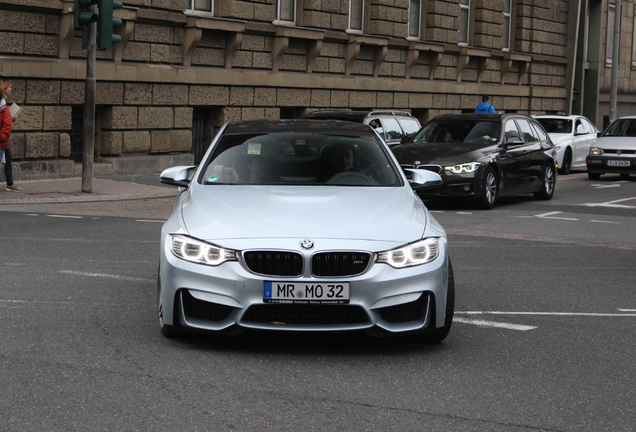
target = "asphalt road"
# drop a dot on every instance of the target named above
(543, 338)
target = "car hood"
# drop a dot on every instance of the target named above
(213, 212)
(618, 143)
(441, 153)
(558, 138)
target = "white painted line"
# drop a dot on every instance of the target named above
(605, 186)
(607, 222)
(549, 216)
(612, 203)
(109, 276)
(627, 310)
(65, 216)
(590, 314)
(494, 324)
(468, 213)
(149, 220)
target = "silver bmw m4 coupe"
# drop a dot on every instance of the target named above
(303, 225)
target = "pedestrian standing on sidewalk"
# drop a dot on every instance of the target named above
(6, 126)
(484, 107)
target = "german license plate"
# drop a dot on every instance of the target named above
(307, 293)
(618, 163)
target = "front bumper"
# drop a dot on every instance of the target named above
(229, 298)
(610, 164)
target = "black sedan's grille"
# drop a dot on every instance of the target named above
(306, 314)
(330, 264)
(406, 312)
(274, 263)
(199, 309)
(435, 168)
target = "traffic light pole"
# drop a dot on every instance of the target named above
(89, 110)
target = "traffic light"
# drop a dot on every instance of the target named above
(105, 23)
(82, 14)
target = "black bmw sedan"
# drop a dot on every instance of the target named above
(483, 156)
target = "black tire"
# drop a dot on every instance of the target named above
(593, 176)
(566, 166)
(440, 334)
(548, 184)
(489, 190)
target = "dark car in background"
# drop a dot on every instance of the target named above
(393, 126)
(614, 152)
(483, 157)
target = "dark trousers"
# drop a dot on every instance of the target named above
(8, 167)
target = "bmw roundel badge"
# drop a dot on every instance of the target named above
(307, 244)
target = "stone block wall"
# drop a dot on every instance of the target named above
(146, 96)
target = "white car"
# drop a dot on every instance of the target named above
(303, 225)
(572, 135)
(614, 152)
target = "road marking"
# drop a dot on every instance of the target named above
(149, 220)
(109, 276)
(588, 314)
(549, 216)
(605, 186)
(612, 204)
(494, 324)
(607, 222)
(627, 310)
(65, 216)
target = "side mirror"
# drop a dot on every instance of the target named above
(177, 176)
(599, 134)
(514, 140)
(421, 179)
(406, 138)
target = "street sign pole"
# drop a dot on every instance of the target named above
(89, 110)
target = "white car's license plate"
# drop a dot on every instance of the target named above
(618, 163)
(305, 292)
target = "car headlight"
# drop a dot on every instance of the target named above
(596, 151)
(420, 252)
(463, 168)
(200, 252)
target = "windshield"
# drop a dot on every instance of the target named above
(622, 128)
(291, 158)
(554, 125)
(458, 131)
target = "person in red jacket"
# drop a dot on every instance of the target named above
(6, 126)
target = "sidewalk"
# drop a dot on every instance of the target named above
(70, 190)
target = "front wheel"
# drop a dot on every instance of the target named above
(489, 190)
(547, 184)
(565, 167)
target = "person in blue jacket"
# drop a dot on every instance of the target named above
(484, 107)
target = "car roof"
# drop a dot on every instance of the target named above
(558, 116)
(298, 125)
(354, 115)
(479, 116)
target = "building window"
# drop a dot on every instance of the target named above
(356, 15)
(464, 21)
(609, 47)
(415, 15)
(286, 11)
(200, 6)
(507, 24)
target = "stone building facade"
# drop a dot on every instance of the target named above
(180, 72)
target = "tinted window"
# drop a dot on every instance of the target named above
(527, 133)
(539, 131)
(622, 127)
(299, 159)
(392, 128)
(409, 125)
(556, 125)
(458, 131)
